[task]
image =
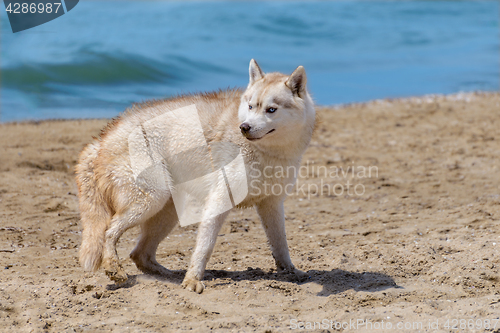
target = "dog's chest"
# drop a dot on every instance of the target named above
(268, 178)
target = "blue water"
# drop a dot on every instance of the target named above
(100, 57)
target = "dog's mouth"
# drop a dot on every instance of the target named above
(254, 139)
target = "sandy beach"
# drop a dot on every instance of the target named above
(413, 241)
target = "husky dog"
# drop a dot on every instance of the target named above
(271, 122)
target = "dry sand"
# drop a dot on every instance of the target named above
(419, 246)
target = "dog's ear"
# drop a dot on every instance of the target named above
(255, 72)
(297, 81)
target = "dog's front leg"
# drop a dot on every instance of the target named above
(272, 214)
(207, 236)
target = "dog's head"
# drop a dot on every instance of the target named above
(275, 106)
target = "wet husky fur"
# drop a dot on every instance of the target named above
(271, 121)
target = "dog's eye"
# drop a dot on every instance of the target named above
(249, 107)
(271, 110)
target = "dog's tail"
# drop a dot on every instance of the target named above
(94, 210)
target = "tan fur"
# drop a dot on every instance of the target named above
(112, 201)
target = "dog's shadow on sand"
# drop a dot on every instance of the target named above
(333, 282)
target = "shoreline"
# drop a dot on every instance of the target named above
(461, 95)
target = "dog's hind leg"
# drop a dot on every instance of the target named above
(119, 224)
(134, 213)
(153, 232)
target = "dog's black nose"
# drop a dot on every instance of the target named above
(245, 128)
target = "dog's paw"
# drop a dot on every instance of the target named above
(114, 271)
(300, 275)
(193, 285)
(294, 274)
(118, 276)
(150, 266)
